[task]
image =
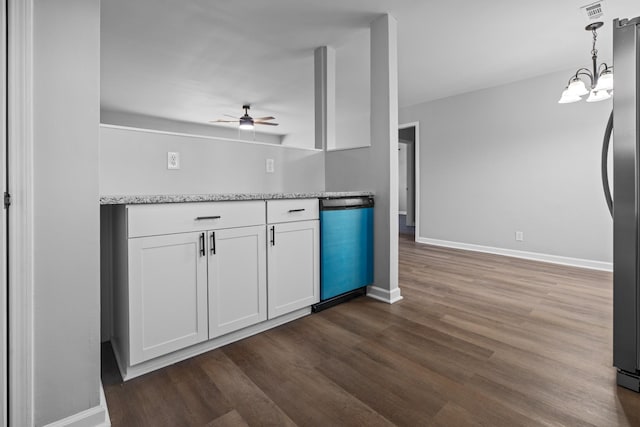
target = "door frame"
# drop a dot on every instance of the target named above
(416, 171)
(21, 212)
(3, 215)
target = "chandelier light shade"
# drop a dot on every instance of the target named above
(577, 87)
(605, 81)
(598, 95)
(568, 98)
(599, 79)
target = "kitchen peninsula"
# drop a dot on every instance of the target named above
(184, 274)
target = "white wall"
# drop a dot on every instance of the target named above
(66, 220)
(135, 162)
(353, 93)
(509, 159)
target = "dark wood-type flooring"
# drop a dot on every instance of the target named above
(479, 339)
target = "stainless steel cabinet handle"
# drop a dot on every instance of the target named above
(273, 235)
(296, 210)
(202, 251)
(213, 242)
(207, 217)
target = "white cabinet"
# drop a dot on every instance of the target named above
(190, 277)
(293, 256)
(187, 273)
(167, 294)
(237, 279)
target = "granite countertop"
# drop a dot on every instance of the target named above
(182, 198)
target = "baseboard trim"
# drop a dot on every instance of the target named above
(534, 256)
(98, 416)
(384, 295)
(402, 212)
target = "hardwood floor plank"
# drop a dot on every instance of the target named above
(303, 393)
(251, 404)
(230, 419)
(452, 415)
(546, 412)
(384, 392)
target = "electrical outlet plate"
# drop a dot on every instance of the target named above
(173, 160)
(270, 166)
(519, 236)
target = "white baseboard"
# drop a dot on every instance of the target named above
(402, 212)
(98, 416)
(535, 256)
(384, 295)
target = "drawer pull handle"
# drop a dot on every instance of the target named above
(296, 210)
(207, 217)
(202, 252)
(213, 242)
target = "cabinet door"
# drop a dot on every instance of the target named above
(293, 260)
(167, 294)
(237, 279)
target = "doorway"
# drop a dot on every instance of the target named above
(408, 171)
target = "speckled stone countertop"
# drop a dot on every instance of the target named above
(183, 198)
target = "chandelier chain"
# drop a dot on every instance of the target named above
(594, 51)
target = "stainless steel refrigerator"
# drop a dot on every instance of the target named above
(626, 201)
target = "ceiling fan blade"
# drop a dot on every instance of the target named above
(264, 118)
(229, 115)
(265, 123)
(223, 121)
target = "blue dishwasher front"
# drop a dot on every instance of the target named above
(346, 246)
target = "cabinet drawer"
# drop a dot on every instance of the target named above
(169, 218)
(291, 210)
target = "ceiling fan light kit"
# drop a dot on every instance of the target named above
(600, 78)
(246, 122)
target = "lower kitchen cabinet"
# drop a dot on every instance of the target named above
(237, 279)
(167, 294)
(190, 277)
(293, 266)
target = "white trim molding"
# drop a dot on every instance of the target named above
(384, 295)
(331, 150)
(194, 135)
(21, 211)
(534, 256)
(4, 388)
(98, 416)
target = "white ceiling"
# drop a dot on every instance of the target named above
(195, 60)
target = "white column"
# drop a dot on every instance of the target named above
(325, 97)
(384, 156)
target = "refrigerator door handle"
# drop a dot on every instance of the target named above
(604, 167)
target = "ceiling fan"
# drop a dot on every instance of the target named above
(246, 121)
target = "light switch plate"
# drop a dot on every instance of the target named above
(270, 166)
(173, 160)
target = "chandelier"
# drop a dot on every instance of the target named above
(600, 78)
